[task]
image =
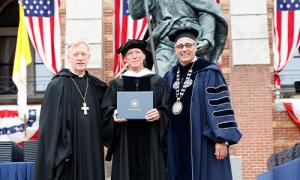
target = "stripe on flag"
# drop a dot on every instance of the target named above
(11, 126)
(293, 109)
(43, 25)
(286, 31)
(126, 28)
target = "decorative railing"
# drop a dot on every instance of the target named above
(35, 85)
(7, 86)
(287, 88)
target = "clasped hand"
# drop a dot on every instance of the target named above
(221, 151)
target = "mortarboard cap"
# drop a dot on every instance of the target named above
(188, 32)
(142, 45)
(132, 43)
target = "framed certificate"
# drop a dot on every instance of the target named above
(133, 105)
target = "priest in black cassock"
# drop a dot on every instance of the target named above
(71, 128)
(138, 147)
(202, 123)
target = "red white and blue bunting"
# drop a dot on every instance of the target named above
(293, 109)
(12, 128)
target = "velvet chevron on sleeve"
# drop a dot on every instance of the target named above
(221, 120)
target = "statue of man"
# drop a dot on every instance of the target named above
(168, 16)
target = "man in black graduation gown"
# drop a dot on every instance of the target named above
(138, 146)
(202, 124)
(71, 128)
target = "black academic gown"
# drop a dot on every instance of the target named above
(66, 133)
(138, 147)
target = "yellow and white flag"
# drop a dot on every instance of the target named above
(22, 59)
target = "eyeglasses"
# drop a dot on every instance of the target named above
(187, 45)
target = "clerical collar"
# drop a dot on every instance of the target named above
(143, 72)
(76, 75)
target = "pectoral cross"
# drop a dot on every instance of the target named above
(85, 108)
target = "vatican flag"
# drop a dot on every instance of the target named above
(22, 59)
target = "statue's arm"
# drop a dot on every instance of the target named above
(137, 8)
(208, 24)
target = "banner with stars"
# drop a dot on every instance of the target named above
(12, 128)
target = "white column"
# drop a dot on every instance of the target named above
(249, 28)
(84, 23)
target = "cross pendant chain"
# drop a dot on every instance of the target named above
(85, 108)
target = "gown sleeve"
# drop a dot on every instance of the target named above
(55, 136)
(109, 104)
(163, 108)
(220, 115)
(105, 126)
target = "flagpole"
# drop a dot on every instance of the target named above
(21, 60)
(150, 35)
(119, 74)
(25, 126)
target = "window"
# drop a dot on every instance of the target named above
(289, 75)
(9, 19)
(7, 47)
(42, 75)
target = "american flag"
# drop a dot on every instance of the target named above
(286, 31)
(43, 26)
(126, 28)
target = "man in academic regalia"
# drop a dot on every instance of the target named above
(138, 146)
(202, 123)
(71, 128)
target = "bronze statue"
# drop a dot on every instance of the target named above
(169, 15)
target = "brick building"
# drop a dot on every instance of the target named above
(247, 63)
